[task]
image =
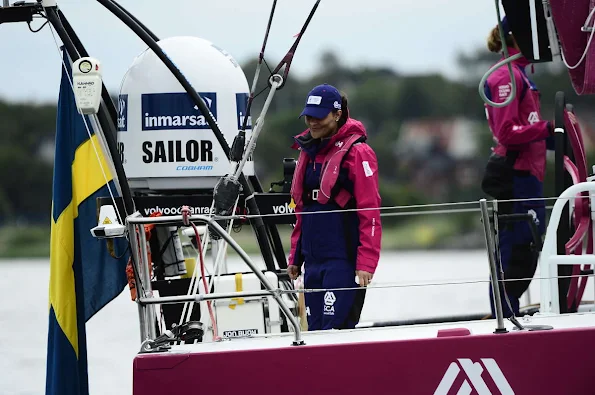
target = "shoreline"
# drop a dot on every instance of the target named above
(33, 241)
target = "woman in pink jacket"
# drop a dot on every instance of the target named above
(516, 167)
(336, 171)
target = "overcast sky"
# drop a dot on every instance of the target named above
(409, 36)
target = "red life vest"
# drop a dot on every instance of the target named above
(330, 173)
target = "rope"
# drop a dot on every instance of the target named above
(186, 221)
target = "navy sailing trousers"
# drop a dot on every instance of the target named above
(518, 257)
(332, 309)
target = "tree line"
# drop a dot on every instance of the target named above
(382, 98)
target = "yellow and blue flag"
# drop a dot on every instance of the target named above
(84, 274)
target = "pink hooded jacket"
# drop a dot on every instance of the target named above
(362, 166)
(518, 126)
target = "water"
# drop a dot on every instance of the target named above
(113, 334)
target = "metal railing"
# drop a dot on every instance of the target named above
(485, 218)
(548, 263)
(551, 259)
(146, 298)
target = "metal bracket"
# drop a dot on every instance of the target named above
(189, 331)
(19, 12)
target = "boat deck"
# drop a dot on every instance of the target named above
(419, 359)
(382, 334)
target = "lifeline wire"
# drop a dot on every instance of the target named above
(395, 285)
(386, 208)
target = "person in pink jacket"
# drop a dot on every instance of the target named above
(338, 231)
(516, 167)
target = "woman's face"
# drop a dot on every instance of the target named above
(324, 127)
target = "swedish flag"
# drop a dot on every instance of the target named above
(84, 275)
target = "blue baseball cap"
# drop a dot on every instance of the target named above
(321, 101)
(505, 26)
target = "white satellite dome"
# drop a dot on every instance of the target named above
(165, 141)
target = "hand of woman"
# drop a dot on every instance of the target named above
(364, 277)
(293, 271)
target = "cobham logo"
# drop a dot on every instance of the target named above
(473, 378)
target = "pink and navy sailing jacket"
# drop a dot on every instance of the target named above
(518, 126)
(331, 174)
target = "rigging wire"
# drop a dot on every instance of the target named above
(285, 61)
(258, 66)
